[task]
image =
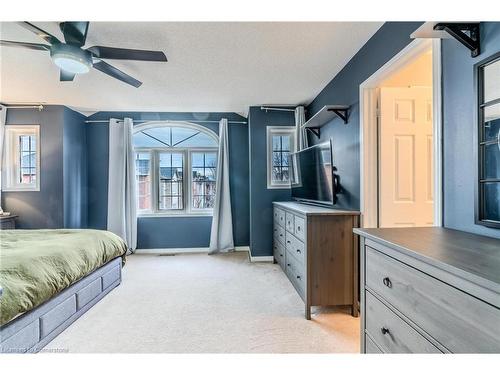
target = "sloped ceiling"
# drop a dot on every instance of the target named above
(223, 67)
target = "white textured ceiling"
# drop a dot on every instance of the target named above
(212, 66)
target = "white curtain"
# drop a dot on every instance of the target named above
(221, 237)
(3, 118)
(122, 210)
(300, 133)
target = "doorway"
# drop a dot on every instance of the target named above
(401, 140)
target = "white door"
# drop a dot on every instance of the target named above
(405, 157)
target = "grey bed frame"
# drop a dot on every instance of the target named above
(33, 330)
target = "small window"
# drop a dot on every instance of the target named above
(280, 144)
(488, 190)
(22, 158)
(171, 180)
(143, 177)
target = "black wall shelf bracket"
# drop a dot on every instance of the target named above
(341, 112)
(466, 33)
(315, 131)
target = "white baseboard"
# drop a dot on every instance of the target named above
(260, 258)
(180, 250)
(184, 250)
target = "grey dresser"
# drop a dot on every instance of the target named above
(318, 252)
(429, 290)
(8, 221)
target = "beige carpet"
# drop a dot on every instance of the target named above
(195, 303)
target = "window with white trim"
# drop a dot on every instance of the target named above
(280, 144)
(21, 170)
(176, 165)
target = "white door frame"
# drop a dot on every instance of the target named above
(369, 135)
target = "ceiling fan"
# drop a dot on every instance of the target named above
(72, 59)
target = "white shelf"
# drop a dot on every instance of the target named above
(427, 31)
(325, 115)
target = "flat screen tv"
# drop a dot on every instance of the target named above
(313, 178)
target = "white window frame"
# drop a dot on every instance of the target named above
(270, 132)
(187, 210)
(11, 167)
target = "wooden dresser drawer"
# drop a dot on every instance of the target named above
(299, 228)
(296, 273)
(295, 247)
(279, 233)
(279, 253)
(392, 333)
(371, 347)
(289, 222)
(458, 321)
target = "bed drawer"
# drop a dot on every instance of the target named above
(88, 293)
(23, 340)
(460, 322)
(110, 277)
(57, 315)
(392, 333)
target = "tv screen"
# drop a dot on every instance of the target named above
(312, 175)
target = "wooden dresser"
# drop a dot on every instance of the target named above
(318, 252)
(429, 290)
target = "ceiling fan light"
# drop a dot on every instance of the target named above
(71, 59)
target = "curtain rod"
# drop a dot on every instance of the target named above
(190, 120)
(277, 109)
(20, 106)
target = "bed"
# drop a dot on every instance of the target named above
(49, 278)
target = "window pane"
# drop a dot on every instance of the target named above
(491, 193)
(491, 161)
(276, 143)
(492, 122)
(143, 178)
(285, 143)
(171, 175)
(203, 171)
(27, 159)
(492, 81)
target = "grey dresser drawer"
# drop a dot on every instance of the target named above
(300, 228)
(458, 321)
(296, 273)
(279, 253)
(392, 333)
(280, 217)
(295, 247)
(289, 222)
(371, 347)
(279, 233)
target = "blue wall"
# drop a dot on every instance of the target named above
(170, 232)
(261, 198)
(74, 170)
(44, 208)
(61, 201)
(391, 38)
(460, 127)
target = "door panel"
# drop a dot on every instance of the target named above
(406, 176)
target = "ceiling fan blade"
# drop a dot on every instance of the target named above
(49, 38)
(75, 33)
(126, 54)
(35, 46)
(65, 76)
(116, 73)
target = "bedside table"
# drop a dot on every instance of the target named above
(8, 221)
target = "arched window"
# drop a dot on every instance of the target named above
(175, 168)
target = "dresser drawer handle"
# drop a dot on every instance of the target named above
(288, 264)
(288, 241)
(384, 330)
(387, 282)
(298, 228)
(298, 251)
(281, 234)
(281, 255)
(298, 277)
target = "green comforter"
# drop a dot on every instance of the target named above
(35, 265)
